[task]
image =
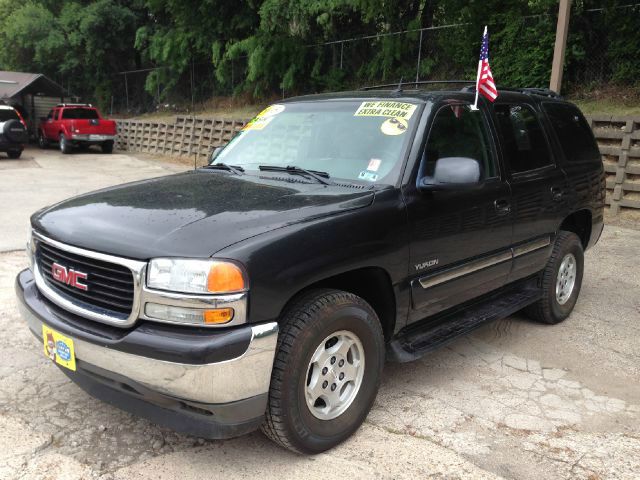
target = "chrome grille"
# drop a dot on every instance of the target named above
(110, 287)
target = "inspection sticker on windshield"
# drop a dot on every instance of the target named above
(59, 348)
(366, 175)
(385, 109)
(374, 164)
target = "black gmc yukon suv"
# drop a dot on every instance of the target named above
(266, 289)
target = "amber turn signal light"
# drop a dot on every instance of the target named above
(219, 315)
(225, 277)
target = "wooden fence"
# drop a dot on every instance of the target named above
(618, 139)
(619, 142)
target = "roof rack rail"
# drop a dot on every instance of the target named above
(401, 84)
(545, 92)
(74, 105)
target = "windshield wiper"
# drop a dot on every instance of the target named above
(223, 166)
(321, 177)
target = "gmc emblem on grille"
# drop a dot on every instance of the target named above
(68, 276)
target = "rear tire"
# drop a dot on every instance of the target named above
(107, 147)
(42, 141)
(14, 154)
(326, 372)
(65, 148)
(561, 280)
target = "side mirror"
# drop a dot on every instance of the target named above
(452, 173)
(215, 153)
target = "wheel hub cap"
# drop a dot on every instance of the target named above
(566, 278)
(334, 375)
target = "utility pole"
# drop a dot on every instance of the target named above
(562, 29)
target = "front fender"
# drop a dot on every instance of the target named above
(282, 262)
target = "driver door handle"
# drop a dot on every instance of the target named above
(557, 193)
(502, 206)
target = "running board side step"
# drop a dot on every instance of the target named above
(413, 342)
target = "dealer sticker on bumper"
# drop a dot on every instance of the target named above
(59, 348)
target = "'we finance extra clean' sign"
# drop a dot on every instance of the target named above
(385, 109)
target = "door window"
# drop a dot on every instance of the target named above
(573, 132)
(56, 114)
(523, 143)
(50, 115)
(458, 131)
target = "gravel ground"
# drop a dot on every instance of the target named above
(513, 400)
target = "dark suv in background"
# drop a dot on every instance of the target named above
(266, 289)
(13, 132)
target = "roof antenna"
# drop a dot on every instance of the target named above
(399, 88)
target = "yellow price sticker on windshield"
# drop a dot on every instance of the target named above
(394, 126)
(386, 109)
(257, 123)
(271, 110)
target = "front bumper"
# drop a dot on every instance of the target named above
(211, 383)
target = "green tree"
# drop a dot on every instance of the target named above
(179, 34)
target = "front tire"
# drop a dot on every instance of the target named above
(561, 280)
(326, 372)
(14, 154)
(65, 148)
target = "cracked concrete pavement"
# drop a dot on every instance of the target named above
(513, 400)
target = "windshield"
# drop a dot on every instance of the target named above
(80, 113)
(353, 140)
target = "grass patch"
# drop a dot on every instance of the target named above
(606, 107)
(607, 100)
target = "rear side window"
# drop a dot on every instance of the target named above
(6, 115)
(523, 142)
(79, 113)
(573, 132)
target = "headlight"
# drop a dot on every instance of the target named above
(196, 276)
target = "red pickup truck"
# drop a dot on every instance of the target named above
(76, 125)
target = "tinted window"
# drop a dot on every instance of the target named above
(457, 131)
(6, 114)
(50, 114)
(523, 142)
(79, 113)
(56, 114)
(573, 132)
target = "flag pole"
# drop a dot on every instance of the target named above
(475, 103)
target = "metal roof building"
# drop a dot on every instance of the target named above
(15, 84)
(33, 94)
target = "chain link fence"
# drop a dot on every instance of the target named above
(520, 53)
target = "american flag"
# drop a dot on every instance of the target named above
(485, 84)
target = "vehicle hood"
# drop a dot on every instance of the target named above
(193, 214)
